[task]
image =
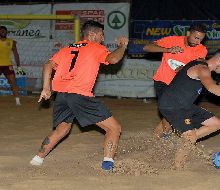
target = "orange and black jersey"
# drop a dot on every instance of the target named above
(77, 67)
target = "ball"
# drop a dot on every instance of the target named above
(216, 160)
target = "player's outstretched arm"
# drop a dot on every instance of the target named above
(47, 72)
(115, 56)
(153, 47)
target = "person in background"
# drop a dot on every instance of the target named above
(76, 69)
(177, 52)
(176, 104)
(7, 46)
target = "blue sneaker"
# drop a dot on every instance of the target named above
(107, 165)
(216, 160)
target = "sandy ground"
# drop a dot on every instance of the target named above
(142, 162)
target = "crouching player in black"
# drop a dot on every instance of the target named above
(177, 104)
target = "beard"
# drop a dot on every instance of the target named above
(3, 35)
(192, 44)
(189, 43)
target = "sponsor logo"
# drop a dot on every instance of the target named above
(199, 91)
(187, 121)
(12, 24)
(22, 28)
(174, 64)
(116, 20)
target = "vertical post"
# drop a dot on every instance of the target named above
(77, 28)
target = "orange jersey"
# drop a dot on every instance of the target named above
(77, 67)
(166, 71)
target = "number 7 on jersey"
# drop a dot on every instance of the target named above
(76, 53)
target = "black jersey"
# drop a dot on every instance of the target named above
(183, 90)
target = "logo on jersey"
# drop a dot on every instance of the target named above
(187, 121)
(174, 64)
(77, 45)
(199, 91)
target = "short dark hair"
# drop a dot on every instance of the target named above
(4, 28)
(89, 25)
(198, 27)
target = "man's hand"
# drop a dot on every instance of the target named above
(20, 71)
(122, 41)
(45, 94)
(175, 49)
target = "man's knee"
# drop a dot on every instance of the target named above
(116, 129)
(112, 125)
(217, 124)
(116, 126)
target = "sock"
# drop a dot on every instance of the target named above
(108, 159)
(17, 100)
(37, 161)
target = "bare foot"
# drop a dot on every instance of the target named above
(162, 129)
(182, 152)
(158, 130)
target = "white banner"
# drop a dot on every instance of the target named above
(114, 16)
(33, 39)
(132, 78)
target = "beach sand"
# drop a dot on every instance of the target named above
(142, 161)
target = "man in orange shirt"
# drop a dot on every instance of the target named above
(177, 52)
(76, 69)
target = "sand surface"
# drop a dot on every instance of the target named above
(142, 161)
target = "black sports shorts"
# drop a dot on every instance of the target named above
(87, 110)
(159, 88)
(7, 70)
(184, 119)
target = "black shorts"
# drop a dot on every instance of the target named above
(7, 70)
(159, 88)
(87, 110)
(183, 119)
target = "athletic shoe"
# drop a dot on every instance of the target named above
(37, 161)
(107, 165)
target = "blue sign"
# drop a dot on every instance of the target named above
(142, 32)
(5, 87)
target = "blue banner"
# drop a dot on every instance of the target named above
(5, 86)
(141, 32)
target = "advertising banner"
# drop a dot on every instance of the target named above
(130, 78)
(37, 40)
(6, 89)
(33, 41)
(113, 80)
(114, 16)
(142, 32)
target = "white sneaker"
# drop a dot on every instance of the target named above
(17, 100)
(18, 104)
(37, 161)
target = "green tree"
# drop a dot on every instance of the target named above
(116, 21)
